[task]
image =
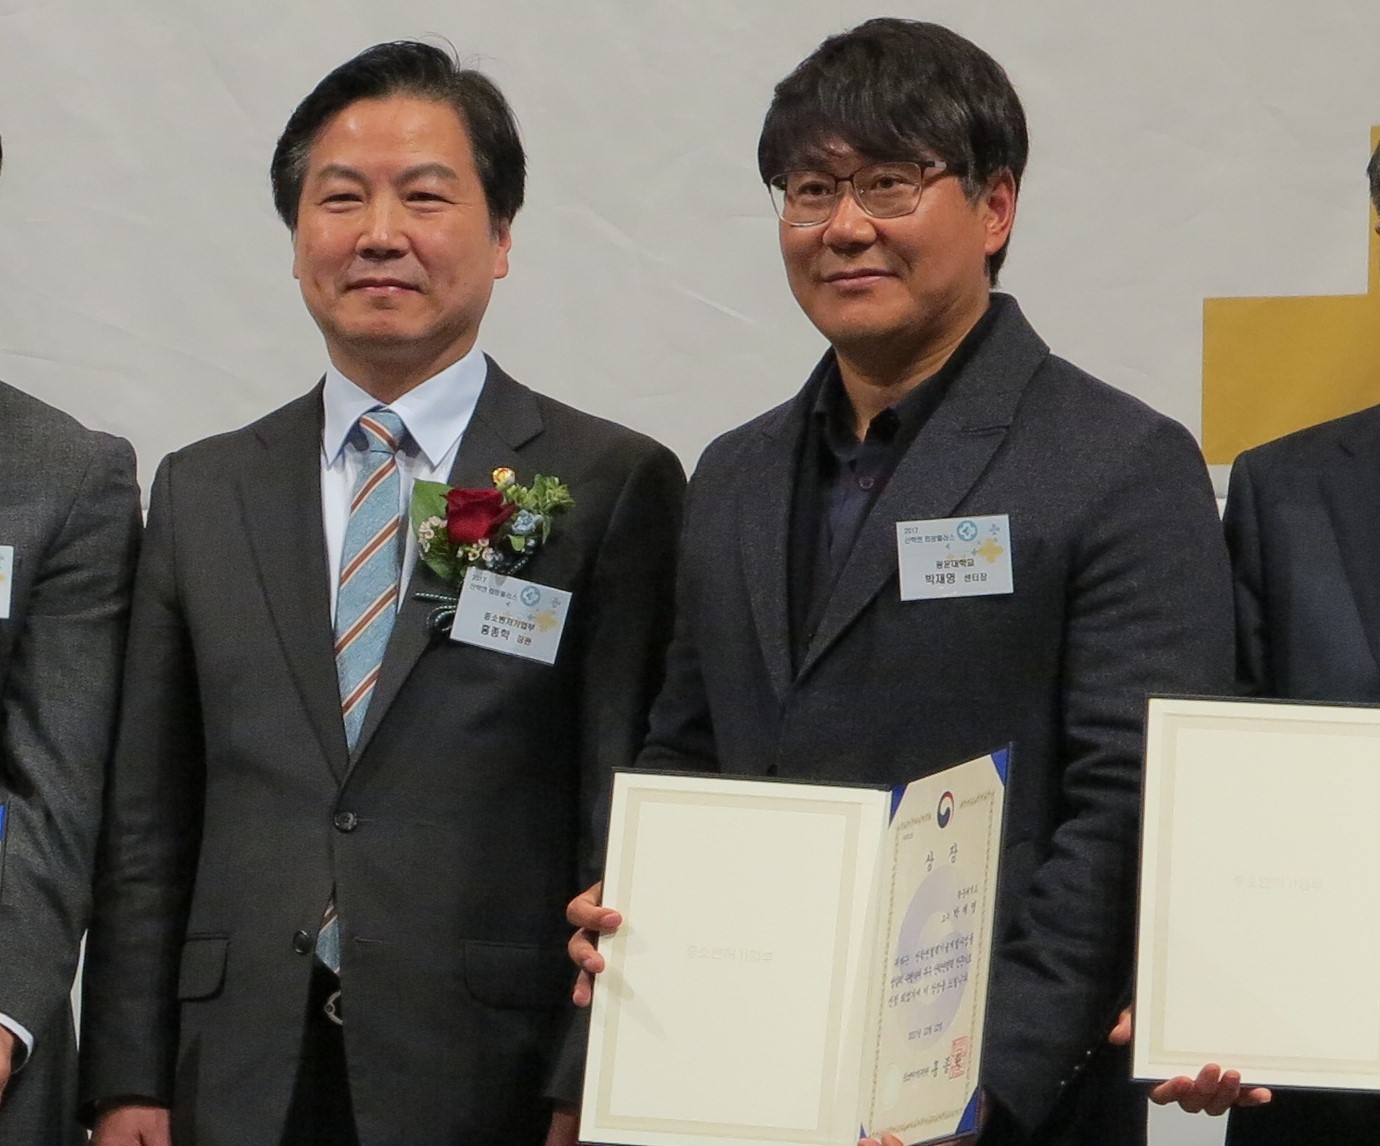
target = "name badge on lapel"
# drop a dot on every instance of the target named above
(510, 615)
(6, 579)
(954, 557)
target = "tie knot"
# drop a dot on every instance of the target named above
(383, 431)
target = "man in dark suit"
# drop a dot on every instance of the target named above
(329, 900)
(69, 531)
(1304, 538)
(894, 154)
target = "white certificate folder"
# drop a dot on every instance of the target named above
(1259, 944)
(799, 964)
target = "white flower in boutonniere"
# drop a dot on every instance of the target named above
(427, 532)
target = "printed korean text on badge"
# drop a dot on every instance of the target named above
(954, 557)
(510, 615)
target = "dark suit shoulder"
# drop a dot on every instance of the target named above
(1092, 442)
(725, 451)
(593, 431)
(1065, 401)
(578, 441)
(1314, 446)
(29, 421)
(1083, 403)
(301, 415)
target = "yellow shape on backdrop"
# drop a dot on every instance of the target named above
(1275, 365)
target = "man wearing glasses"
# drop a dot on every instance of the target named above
(894, 155)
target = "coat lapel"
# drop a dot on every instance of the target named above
(281, 507)
(1352, 492)
(764, 519)
(505, 418)
(941, 466)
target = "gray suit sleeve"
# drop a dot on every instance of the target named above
(59, 701)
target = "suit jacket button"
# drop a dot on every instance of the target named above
(301, 943)
(346, 821)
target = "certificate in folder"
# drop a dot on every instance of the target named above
(1259, 945)
(799, 964)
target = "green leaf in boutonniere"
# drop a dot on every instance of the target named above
(428, 516)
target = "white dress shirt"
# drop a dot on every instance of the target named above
(436, 414)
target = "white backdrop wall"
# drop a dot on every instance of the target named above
(1180, 149)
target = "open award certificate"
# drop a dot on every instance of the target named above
(799, 964)
(1259, 944)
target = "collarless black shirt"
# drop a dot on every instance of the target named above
(840, 476)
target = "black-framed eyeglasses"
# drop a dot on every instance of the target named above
(883, 190)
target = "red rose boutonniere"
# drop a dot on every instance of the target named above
(495, 529)
(473, 514)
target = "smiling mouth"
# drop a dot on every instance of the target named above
(858, 276)
(382, 285)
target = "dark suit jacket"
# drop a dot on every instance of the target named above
(470, 793)
(1121, 589)
(1303, 528)
(69, 505)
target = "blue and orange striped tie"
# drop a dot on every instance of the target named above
(370, 567)
(367, 600)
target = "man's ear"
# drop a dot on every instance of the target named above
(998, 204)
(503, 238)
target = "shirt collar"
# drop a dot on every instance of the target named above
(435, 413)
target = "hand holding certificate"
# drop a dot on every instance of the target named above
(799, 961)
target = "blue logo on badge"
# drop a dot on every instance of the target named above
(530, 595)
(946, 809)
(966, 531)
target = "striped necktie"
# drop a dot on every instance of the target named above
(367, 599)
(370, 567)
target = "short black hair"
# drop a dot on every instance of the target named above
(890, 88)
(1373, 170)
(408, 68)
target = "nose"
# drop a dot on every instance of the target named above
(849, 227)
(382, 235)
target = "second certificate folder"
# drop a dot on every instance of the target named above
(1259, 934)
(799, 964)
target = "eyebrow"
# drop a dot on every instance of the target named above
(418, 171)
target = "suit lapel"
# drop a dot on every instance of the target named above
(1351, 489)
(505, 418)
(940, 467)
(764, 521)
(280, 496)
